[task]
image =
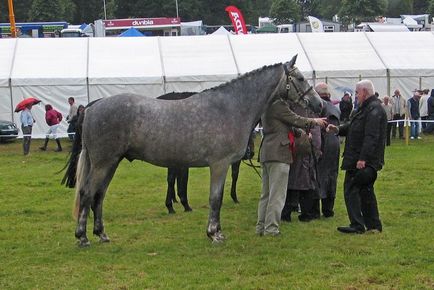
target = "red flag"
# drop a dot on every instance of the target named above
(237, 19)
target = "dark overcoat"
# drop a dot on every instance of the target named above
(328, 163)
(366, 136)
(302, 175)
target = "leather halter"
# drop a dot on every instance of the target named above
(290, 81)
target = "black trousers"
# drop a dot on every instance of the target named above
(400, 126)
(389, 129)
(361, 203)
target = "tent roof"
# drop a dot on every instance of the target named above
(342, 55)
(198, 59)
(131, 32)
(412, 57)
(50, 61)
(384, 27)
(221, 31)
(114, 60)
(7, 47)
(253, 51)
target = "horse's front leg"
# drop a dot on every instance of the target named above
(218, 176)
(182, 184)
(235, 172)
(170, 196)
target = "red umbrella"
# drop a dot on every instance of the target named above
(22, 105)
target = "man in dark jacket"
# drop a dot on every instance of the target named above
(363, 157)
(430, 127)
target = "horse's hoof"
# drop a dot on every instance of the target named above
(188, 209)
(83, 243)
(103, 238)
(217, 238)
(172, 211)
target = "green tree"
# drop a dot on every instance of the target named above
(285, 11)
(42, 10)
(88, 10)
(68, 10)
(326, 9)
(308, 7)
(420, 6)
(362, 10)
(431, 8)
(395, 8)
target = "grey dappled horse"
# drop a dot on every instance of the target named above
(179, 175)
(211, 129)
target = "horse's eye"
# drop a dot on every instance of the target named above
(301, 79)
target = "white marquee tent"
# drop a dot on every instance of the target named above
(92, 68)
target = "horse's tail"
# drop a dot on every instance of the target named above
(69, 179)
(82, 171)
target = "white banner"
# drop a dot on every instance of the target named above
(316, 24)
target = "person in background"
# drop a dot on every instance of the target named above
(387, 106)
(27, 122)
(399, 105)
(363, 157)
(275, 158)
(414, 114)
(53, 119)
(328, 163)
(423, 107)
(346, 107)
(70, 118)
(430, 126)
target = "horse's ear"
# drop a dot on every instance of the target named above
(292, 61)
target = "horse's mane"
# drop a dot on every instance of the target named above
(243, 76)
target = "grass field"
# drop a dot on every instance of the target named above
(150, 249)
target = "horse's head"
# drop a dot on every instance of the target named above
(298, 89)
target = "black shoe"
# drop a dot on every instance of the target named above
(350, 230)
(286, 219)
(328, 214)
(304, 218)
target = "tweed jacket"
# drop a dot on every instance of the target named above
(277, 121)
(402, 105)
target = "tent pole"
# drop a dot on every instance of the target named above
(12, 19)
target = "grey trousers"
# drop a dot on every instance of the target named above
(27, 130)
(273, 195)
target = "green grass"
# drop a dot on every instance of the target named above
(153, 250)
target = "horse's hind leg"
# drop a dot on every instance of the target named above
(218, 176)
(181, 184)
(101, 180)
(170, 196)
(235, 172)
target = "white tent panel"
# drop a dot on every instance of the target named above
(124, 60)
(405, 84)
(50, 61)
(7, 47)
(5, 104)
(405, 54)
(104, 90)
(253, 51)
(342, 55)
(57, 96)
(204, 61)
(338, 86)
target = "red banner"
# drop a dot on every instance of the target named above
(237, 19)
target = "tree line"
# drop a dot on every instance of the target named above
(210, 11)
